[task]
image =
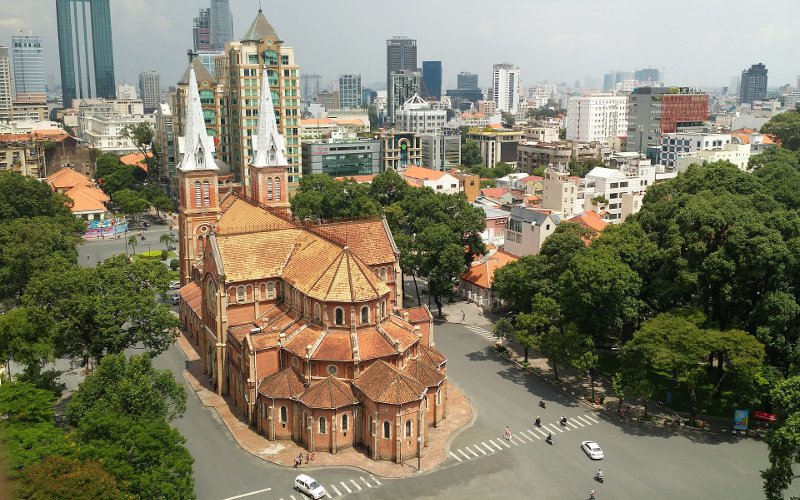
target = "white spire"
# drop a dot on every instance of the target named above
(198, 147)
(269, 148)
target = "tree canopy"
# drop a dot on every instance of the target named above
(320, 197)
(786, 126)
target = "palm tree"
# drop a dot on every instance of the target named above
(168, 239)
(132, 243)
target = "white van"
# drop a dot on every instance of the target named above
(309, 486)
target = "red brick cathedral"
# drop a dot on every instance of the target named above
(301, 325)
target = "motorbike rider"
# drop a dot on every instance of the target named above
(538, 422)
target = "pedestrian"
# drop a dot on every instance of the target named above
(307, 457)
(463, 316)
(295, 463)
(312, 456)
(507, 434)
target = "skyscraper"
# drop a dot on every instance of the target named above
(753, 86)
(432, 80)
(310, 86)
(647, 75)
(84, 28)
(201, 31)
(221, 24)
(403, 85)
(467, 81)
(401, 55)
(28, 65)
(150, 90)
(6, 79)
(505, 87)
(350, 91)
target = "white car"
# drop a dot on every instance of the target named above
(309, 486)
(592, 449)
(174, 285)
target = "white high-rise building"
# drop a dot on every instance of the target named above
(150, 88)
(416, 115)
(505, 87)
(126, 92)
(28, 63)
(7, 94)
(597, 117)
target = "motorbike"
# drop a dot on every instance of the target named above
(538, 422)
(542, 404)
(599, 477)
(564, 421)
(549, 439)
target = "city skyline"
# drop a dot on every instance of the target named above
(558, 54)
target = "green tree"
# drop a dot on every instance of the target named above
(320, 197)
(508, 119)
(107, 309)
(26, 337)
(786, 126)
(132, 241)
(471, 154)
(441, 260)
(783, 439)
(141, 135)
(131, 387)
(63, 478)
(25, 197)
(567, 241)
(562, 345)
(600, 294)
(518, 282)
(388, 188)
(130, 202)
(147, 457)
(168, 239)
(584, 166)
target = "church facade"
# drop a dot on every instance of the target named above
(300, 325)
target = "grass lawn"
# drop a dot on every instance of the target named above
(154, 255)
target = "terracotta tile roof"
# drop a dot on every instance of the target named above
(136, 159)
(264, 340)
(400, 330)
(335, 346)
(417, 314)
(431, 355)
(67, 178)
(369, 239)
(424, 373)
(493, 192)
(328, 393)
(87, 199)
(350, 121)
(16, 137)
(532, 178)
(297, 341)
(242, 216)
(286, 384)
(315, 122)
(383, 383)
(590, 219)
(239, 332)
(190, 293)
(420, 173)
(240, 314)
(361, 179)
(372, 345)
(247, 256)
(482, 274)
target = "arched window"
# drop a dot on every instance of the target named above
(338, 315)
(344, 423)
(277, 189)
(284, 414)
(305, 419)
(269, 189)
(270, 290)
(387, 430)
(383, 309)
(383, 274)
(371, 426)
(198, 197)
(439, 397)
(206, 194)
(317, 312)
(408, 428)
(240, 295)
(323, 424)
(364, 315)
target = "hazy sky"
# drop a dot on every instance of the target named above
(696, 42)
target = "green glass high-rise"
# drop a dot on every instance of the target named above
(85, 49)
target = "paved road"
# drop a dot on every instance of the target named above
(97, 250)
(639, 463)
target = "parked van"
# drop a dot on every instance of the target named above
(309, 486)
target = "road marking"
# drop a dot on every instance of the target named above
(592, 419)
(479, 449)
(543, 433)
(328, 494)
(575, 426)
(248, 494)
(556, 427)
(345, 487)
(373, 478)
(522, 433)
(292, 497)
(366, 482)
(588, 422)
(455, 456)
(577, 422)
(338, 493)
(356, 485)
(532, 434)
(487, 446)
(496, 445)
(505, 443)
(514, 441)
(464, 454)
(469, 450)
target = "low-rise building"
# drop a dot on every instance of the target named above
(559, 192)
(528, 229)
(399, 149)
(496, 222)
(416, 115)
(532, 155)
(342, 158)
(439, 181)
(497, 146)
(738, 154)
(440, 151)
(469, 184)
(476, 283)
(679, 145)
(20, 153)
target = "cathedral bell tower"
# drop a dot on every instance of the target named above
(197, 182)
(268, 167)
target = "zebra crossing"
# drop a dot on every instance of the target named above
(343, 488)
(523, 437)
(482, 332)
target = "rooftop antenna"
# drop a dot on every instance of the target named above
(259, 5)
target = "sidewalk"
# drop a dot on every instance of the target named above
(283, 452)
